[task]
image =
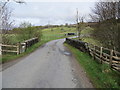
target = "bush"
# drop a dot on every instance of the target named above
(21, 34)
(108, 34)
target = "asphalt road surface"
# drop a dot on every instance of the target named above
(50, 66)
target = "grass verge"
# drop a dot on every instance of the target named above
(100, 74)
(9, 57)
(47, 35)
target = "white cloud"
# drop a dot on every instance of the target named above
(39, 13)
(33, 21)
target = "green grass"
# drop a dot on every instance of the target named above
(92, 41)
(87, 37)
(47, 35)
(100, 74)
(9, 57)
(57, 32)
(87, 30)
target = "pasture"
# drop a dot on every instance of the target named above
(57, 32)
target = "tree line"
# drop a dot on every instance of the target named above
(107, 29)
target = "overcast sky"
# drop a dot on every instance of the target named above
(59, 12)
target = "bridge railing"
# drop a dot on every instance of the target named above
(19, 47)
(101, 54)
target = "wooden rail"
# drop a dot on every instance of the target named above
(8, 45)
(11, 47)
(103, 55)
(19, 47)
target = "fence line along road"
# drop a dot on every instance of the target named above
(19, 47)
(101, 54)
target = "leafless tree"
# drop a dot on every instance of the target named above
(105, 10)
(5, 14)
(107, 31)
(5, 22)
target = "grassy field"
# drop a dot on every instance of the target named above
(100, 74)
(87, 37)
(57, 32)
(47, 35)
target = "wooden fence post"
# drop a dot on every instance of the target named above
(18, 48)
(94, 53)
(89, 49)
(87, 46)
(0, 49)
(25, 46)
(101, 50)
(111, 54)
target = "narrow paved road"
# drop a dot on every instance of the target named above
(50, 66)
